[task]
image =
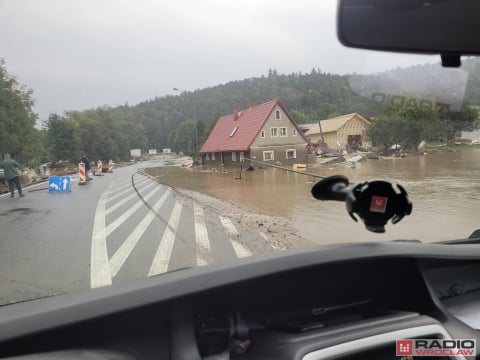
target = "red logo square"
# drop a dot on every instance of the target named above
(404, 347)
(378, 204)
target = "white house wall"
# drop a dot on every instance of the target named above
(279, 145)
(284, 122)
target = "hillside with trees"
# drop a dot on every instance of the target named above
(182, 122)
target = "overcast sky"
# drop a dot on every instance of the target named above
(87, 53)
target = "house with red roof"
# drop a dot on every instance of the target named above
(264, 132)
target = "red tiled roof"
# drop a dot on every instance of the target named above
(249, 123)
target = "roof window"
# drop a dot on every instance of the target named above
(234, 131)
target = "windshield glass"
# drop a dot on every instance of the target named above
(142, 137)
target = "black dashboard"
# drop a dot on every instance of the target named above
(346, 301)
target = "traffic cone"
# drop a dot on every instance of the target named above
(82, 179)
(110, 166)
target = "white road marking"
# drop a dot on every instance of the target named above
(24, 188)
(100, 269)
(118, 182)
(122, 218)
(120, 191)
(121, 186)
(201, 235)
(164, 252)
(125, 200)
(232, 232)
(270, 242)
(128, 182)
(121, 255)
(265, 237)
(140, 180)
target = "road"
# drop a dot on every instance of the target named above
(119, 227)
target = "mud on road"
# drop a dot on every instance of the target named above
(278, 231)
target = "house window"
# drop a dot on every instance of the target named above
(234, 156)
(268, 156)
(241, 155)
(274, 132)
(283, 131)
(213, 156)
(291, 154)
(207, 157)
(294, 132)
(262, 134)
(277, 115)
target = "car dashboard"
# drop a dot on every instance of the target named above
(349, 301)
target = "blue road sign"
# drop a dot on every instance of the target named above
(59, 183)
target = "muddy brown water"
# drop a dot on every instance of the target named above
(444, 188)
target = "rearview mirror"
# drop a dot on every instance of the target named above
(447, 27)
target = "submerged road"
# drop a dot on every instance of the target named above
(119, 227)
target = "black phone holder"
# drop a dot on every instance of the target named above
(374, 201)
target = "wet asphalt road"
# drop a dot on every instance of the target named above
(119, 227)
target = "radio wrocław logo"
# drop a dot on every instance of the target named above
(436, 347)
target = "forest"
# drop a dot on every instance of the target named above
(182, 122)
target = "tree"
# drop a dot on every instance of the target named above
(299, 117)
(63, 141)
(466, 119)
(18, 135)
(409, 126)
(184, 137)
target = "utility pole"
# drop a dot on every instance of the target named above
(321, 132)
(194, 119)
(196, 127)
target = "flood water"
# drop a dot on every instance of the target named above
(444, 188)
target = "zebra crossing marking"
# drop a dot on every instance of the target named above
(103, 269)
(125, 200)
(201, 235)
(122, 218)
(164, 251)
(121, 255)
(231, 230)
(99, 266)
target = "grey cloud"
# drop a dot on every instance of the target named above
(81, 54)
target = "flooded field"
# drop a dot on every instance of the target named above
(444, 188)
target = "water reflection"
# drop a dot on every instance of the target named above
(444, 188)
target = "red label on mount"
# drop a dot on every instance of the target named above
(404, 347)
(378, 204)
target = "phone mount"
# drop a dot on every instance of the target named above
(374, 201)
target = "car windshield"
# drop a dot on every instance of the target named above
(143, 137)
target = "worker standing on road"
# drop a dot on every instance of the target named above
(11, 174)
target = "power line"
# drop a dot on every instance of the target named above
(286, 169)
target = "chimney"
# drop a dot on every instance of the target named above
(235, 113)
